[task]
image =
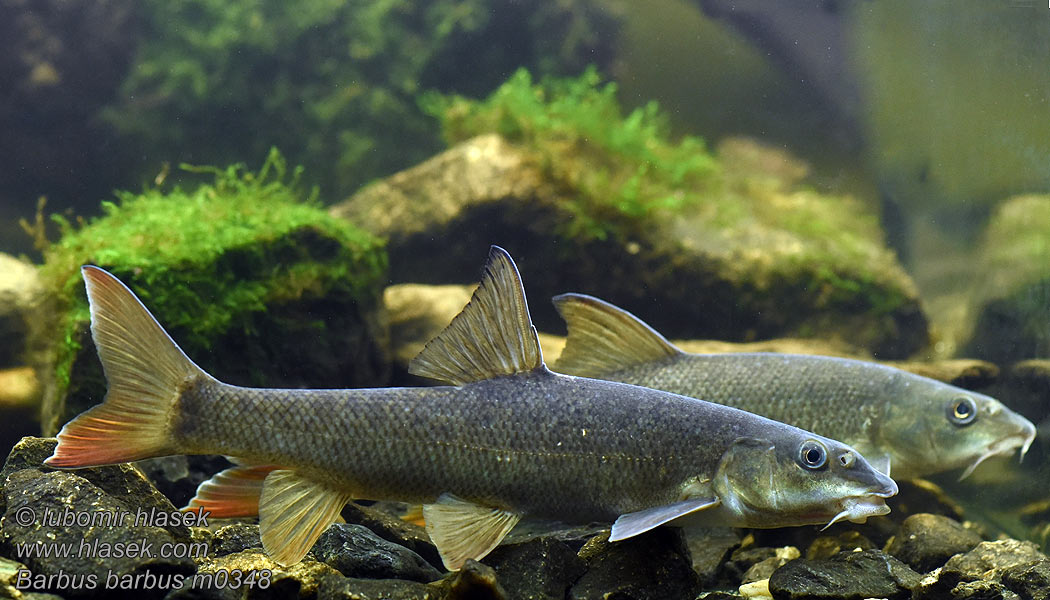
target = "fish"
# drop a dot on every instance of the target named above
(905, 424)
(506, 438)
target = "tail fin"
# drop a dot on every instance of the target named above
(144, 370)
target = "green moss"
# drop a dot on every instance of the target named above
(619, 170)
(208, 261)
(622, 175)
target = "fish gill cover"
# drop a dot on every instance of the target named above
(251, 275)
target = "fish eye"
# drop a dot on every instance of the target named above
(812, 455)
(962, 410)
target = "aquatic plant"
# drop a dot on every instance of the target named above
(622, 179)
(250, 253)
(332, 83)
(617, 169)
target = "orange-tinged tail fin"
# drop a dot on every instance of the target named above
(144, 370)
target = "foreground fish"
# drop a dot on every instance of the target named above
(913, 424)
(508, 439)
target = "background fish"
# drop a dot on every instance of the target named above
(508, 439)
(912, 424)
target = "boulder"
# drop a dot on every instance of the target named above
(712, 272)
(258, 286)
(1013, 283)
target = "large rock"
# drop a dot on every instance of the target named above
(257, 286)
(927, 541)
(94, 530)
(845, 576)
(1003, 566)
(1013, 283)
(726, 278)
(653, 566)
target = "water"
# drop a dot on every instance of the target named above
(926, 119)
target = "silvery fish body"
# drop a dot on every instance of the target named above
(911, 424)
(509, 438)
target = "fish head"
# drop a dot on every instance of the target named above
(933, 430)
(799, 479)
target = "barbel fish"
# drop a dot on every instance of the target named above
(508, 438)
(911, 424)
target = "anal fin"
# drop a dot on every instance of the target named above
(462, 530)
(293, 512)
(233, 492)
(632, 524)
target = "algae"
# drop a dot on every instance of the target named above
(234, 269)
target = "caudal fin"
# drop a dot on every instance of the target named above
(144, 371)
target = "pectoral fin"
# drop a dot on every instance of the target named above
(463, 530)
(293, 512)
(632, 524)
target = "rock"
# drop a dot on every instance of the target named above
(654, 566)
(743, 558)
(986, 563)
(301, 580)
(1030, 581)
(439, 216)
(541, 568)
(473, 581)
(709, 547)
(927, 541)
(123, 482)
(343, 588)
(234, 538)
(827, 546)
(61, 512)
(256, 286)
(762, 570)
(845, 576)
(573, 536)
(356, 552)
(393, 529)
(1014, 283)
(21, 295)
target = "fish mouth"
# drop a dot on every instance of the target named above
(1006, 445)
(857, 509)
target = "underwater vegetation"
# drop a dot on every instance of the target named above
(249, 256)
(623, 168)
(331, 83)
(556, 167)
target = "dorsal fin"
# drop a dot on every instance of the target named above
(604, 338)
(492, 336)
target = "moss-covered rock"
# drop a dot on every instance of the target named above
(257, 286)
(728, 246)
(1014, 283)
